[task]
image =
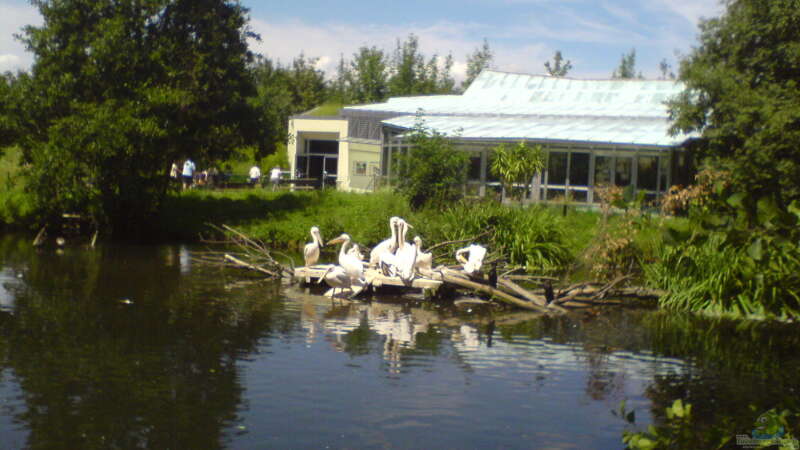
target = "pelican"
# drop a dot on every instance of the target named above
(406, 253)
(356, 251)
(389, 245)
(350, 263)
(476, 255)
(335, 277)
(311, 250)
(424, 260)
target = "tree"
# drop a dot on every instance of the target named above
(307, 83)
(142, 84)
(666, 70)
(517, 164)
(479, 60)
(411, 75)
(559, 68)
(273, 102)
(627, 67)
(407, 64)
(368, 75)
(742, 96)
(432, 171)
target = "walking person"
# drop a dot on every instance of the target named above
(275, 177)
(255, 175)
(188, 173)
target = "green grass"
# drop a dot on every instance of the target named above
(326, 109)
(16, 208)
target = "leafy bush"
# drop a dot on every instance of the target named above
(432, 172)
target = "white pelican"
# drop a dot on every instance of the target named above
(476, 255)
(311, 250)
(388, 245)
(356, 251)
(406, 254)
(424, 260)
(351, 264)
(337, 278)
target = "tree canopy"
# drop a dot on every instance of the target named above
(559, 68)
(517, 164)
(432, 171)
(121, 89)
(479, 60)
(627, 67)
(743, 96)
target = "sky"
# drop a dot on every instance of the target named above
(523, 34)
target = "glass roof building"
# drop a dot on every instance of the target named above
(593, 131)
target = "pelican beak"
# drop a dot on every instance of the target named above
(409, 225)
(334, 241)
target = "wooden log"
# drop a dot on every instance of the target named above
(39, 240)
(238, 262)
(452, 277)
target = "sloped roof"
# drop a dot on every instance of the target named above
(511, 105)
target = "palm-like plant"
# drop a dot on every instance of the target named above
(517, 164)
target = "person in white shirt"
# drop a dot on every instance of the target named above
(255, 175)
(188, 173)
(275, 177)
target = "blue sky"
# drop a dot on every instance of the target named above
(523, 33)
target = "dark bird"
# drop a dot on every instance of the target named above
(548, 291)
(493, 275)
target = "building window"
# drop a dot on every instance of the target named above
(624, 169)
(647, 175)
(474, 170)
(579, 169)
(557, 168)
(360, 168)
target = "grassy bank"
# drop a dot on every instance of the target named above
(539, 238)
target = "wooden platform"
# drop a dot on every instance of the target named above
(377, 278)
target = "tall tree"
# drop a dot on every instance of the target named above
(627, 67)
(743, 97)
(666, 70)
(369, 76)
(559, 68)
(407, 67)
(307, 83)
(480, 59)
(274, 102)
(122, 88)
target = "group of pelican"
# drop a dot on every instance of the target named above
(393, 257)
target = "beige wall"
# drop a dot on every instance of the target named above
(350, 153)
(364, 160)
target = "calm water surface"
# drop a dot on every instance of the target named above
(141, 347)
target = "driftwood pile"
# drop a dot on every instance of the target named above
(507, 287)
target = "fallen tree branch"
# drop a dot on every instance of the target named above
(460, 241)
(238, 262)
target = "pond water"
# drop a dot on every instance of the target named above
(141, 347)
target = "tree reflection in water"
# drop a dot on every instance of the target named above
(132, 358)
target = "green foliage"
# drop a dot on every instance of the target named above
(740, 256)
(742, 96)
(676, 432)
(559, 68)
(627, 67)
(480, 59)
(533, 238)
(281, 92)
(412, 75)
(517, 165)
(713, 276)
(143, 84)
(368, 77)
(432, 171)
(16, 206)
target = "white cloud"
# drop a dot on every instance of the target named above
(285, 41)
(693, 10)
(13, 17)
